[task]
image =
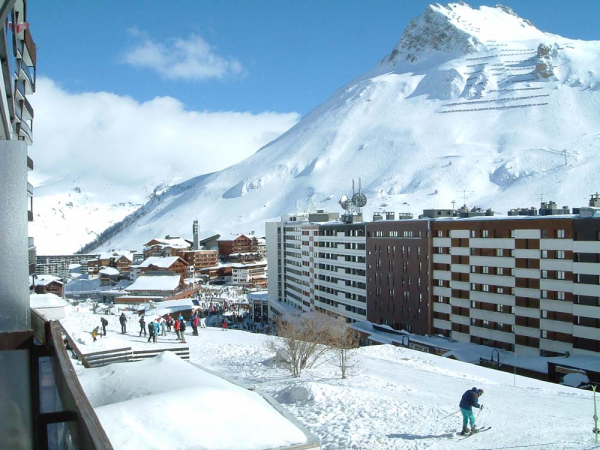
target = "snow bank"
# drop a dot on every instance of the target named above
(167, 403)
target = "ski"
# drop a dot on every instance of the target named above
(481, 430)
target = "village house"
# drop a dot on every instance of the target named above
(169, 246)
(242, 248)
(173, 265)
(109, 276)
(47, 284)
(151, 288)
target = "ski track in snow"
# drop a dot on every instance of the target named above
(397, 399)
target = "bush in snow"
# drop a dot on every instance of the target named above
(301, 342)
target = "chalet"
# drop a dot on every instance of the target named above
(151, 288)
(173, 265)
(169, 246)
(47, 284)
(239, 249)
(109, 276)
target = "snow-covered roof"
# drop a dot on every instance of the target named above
(174, 242)
(155, 283)
(109, 271)
(43, 280)
(160, 262)
(46, 301)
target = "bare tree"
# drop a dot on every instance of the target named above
(301, 342)
(344, 342)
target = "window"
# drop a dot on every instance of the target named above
(473, 269)
(473, 233)
(499, 290)
(544, 233)
(486, 288)
(499, 271)
(544, 334)
(440, 233)
(499, 252)
(512, 233)
(544, 274)
(544, 254)
(544, 314)
(560, 234)
(486, 269)
(473, 287)
(560, 295)
(544, 294)
(560, 275)
(560, 254)
(485, 233)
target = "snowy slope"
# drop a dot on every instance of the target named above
(399, 399)
(474, 100)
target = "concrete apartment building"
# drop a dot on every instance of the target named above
(525, 282)
(399, 273)
(58, 265)
(317, 263)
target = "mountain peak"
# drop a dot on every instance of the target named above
(458, 29)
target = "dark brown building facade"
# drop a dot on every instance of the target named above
(398, 275)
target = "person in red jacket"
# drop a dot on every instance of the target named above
(195, 323)
(224, 324)
(177, 329)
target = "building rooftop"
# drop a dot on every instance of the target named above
(155, 283)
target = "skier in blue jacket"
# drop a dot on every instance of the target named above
(470, 400)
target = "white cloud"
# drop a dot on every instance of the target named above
(106, 138)
(187, 59)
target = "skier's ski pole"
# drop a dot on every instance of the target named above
(450, 415)
(595, 414)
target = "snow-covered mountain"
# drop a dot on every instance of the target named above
(471, 103)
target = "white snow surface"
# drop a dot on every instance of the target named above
(398, 399)
(165, 402)
(46, 301)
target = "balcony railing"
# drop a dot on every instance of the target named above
(71, 421)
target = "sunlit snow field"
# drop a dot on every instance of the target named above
(398, 399)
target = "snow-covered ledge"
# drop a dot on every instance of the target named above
(312, 441)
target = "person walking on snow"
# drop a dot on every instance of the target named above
(151, 332)
(142, 326)
(176, 326)
(182, 330)
(156, 329)
(123, 322)
(470, 400)
(163, 327)
(202, 319)
(104, 323)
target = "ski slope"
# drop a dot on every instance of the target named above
(471, 104)
(398, 399)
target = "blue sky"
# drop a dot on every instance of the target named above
(270, 55)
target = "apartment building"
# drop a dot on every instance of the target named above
(18, 69)
(518, 283)
(399, 273)
(200, 259)
(58, 265)
(252, 274)
(318, 263)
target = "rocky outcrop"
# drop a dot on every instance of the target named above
(543, 65)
